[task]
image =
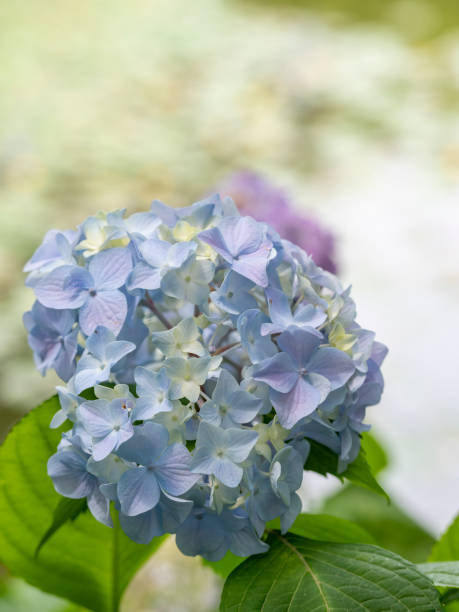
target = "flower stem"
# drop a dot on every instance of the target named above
(154, 309)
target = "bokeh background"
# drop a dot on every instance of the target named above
(350, 107)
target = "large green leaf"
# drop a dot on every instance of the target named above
(443, 574)
(327, 528)
(83, 561)
(313, 526)
(299, 574)
(447, 547)
(388, 524)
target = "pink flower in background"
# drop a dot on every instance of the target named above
(257, 197)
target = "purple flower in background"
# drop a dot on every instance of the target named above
(255, 196)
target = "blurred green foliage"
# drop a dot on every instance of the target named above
(418, 20)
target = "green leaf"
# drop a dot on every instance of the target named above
(323, 461)
(326, 528)
(66, 510)
(447, 548)
(297, 574)
(313, 526)
(388, 524)
(358, 472)
(374, 452)
(443, 574)
(84, 561)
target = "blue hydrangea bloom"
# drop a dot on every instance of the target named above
(53, 339)
(94, 291)
(221, 451)
(216, 351)
(159, 467)
(101, 354)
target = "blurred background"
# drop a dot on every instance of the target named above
(350, 108)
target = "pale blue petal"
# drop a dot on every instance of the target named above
(215, 239)
(253, 265)
(98, 341)
(99, 506)
(155, 252)
(244, 406)
(143, 276)
(173, 470)
(67, 469)
(301, 401)
(278, 372)
(96, 417)
(239, 443)
(300, 344)
(332, 363)
(138, 491)
(227, 472)
(110, 268)
(64, 287)
(117, 350)
(107, 308)
(209, 436)
(148, 443)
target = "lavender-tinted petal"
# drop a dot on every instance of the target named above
(143, 276)
(110, 268)
(290, 407)
(253, 265)
(107, 308)
(242, 235)
(300, 344)
(64, 287)
(278, 372)
(332, 363)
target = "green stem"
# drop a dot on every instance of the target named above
(115, 562)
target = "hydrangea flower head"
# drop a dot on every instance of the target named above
(216, 351)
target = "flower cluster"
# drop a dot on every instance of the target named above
(254, 195)
(201, 354)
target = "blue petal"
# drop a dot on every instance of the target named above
(172, 470)
(227, 472)
(110, 268)
(67, 469)
(239, 443)
(332, 363)
(64, 287)
(300, 344)
(138, 491)
(278, 372)
(107, 308)
(148, 443)
(290, 407)
(143, 276)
